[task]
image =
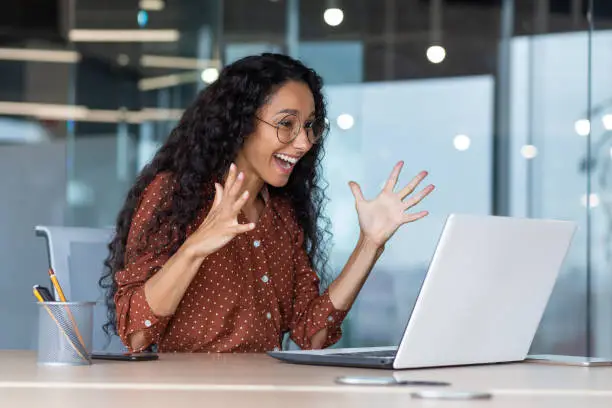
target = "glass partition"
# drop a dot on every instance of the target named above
(549, 101)
(506, 103)
(404, 81)
(597, 170)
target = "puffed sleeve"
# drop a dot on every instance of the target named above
(133, 311)
(312, 311)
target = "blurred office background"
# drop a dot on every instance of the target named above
(507, 103)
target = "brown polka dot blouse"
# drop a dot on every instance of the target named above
(244, 298)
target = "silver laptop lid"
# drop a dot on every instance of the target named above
(485, 291)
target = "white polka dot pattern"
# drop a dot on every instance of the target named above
(245, 296)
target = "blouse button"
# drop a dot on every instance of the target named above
(265, 279)
(147, 323)
(256, 243)
(330, 319)
(268, 315)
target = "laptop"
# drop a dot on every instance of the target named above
(481, 301)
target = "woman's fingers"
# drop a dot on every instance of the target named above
(356, 190)
(239, 203)
(392, 180)
(242, 228)
(413, 217)
(218, 195)
(412, 185)
(234, 190)
(417, 198)
(231, 177)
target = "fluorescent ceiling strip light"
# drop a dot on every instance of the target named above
(107, 116)
(137, 35)
(21, 54)
(157, 115)
(151, 5)
(161, 61)
(43, 110)
(83, 114)
(168, 81)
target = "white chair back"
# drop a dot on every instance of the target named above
(77, 255)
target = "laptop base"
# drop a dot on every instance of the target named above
(331, 360)
(579, 361)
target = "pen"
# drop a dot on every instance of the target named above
(43, 293)
(38, 295)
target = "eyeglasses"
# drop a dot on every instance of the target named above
(289, 127)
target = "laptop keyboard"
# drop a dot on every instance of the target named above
(378, 354)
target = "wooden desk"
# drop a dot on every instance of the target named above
(185, 380)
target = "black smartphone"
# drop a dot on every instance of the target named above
(125, 356)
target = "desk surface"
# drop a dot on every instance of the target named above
(258, 380)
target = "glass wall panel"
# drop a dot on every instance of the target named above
(599, 173)
(143, 62)
(506, 103)
(549, 102)
(404, 82)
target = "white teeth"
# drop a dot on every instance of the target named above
(286, 158)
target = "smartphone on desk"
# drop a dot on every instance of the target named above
(147, 356)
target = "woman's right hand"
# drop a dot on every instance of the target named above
(221, 224)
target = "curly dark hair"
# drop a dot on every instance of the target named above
(201, 147)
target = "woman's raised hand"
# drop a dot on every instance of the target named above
(381, 216)
(221, 224)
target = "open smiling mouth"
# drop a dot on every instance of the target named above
(284, 162)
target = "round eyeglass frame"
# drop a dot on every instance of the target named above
(323, 133)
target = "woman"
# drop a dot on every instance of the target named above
(216, 243)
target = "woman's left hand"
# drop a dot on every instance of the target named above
(380, 217)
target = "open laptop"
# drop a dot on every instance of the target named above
(481, 301)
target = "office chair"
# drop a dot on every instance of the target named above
(77, 256)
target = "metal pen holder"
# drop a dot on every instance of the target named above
(65, 331)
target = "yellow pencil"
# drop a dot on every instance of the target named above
(60, 293)
(56, 285)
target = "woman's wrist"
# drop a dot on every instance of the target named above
(367, 245)
(190, 253)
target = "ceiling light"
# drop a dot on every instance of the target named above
(43, 110)
(607, 121)
(151, 5)
(333, 16)
(462, 142)
(79, 113)
(38, 55)
(582, 127)
(168, 81)
(593, 200)
(345, 121)
(436, 54)
(529, 151)
(133, 36)
(210, 75)
(162, 61)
